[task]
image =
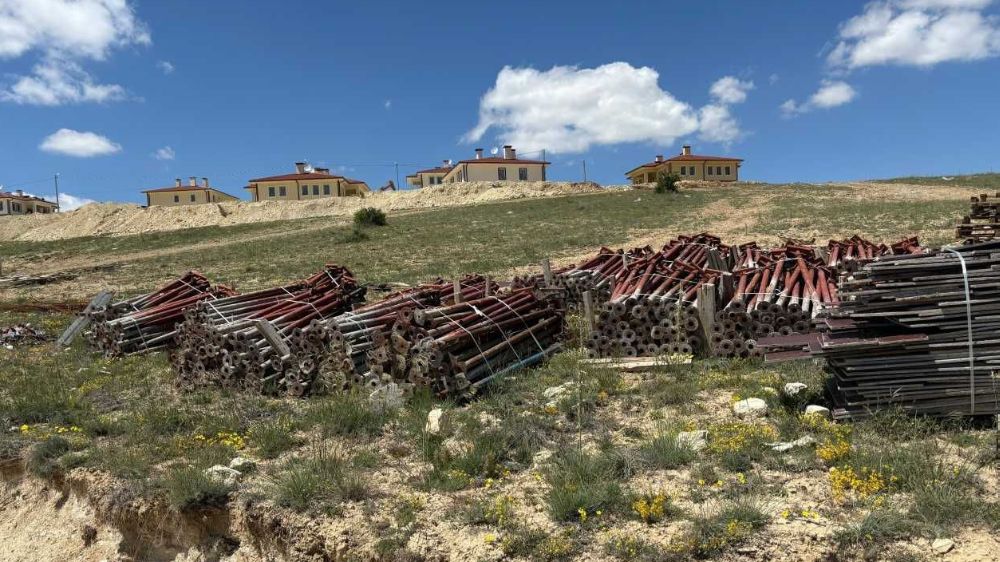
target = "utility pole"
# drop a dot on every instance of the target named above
(55, 179)
(396, 165)
(584, 170)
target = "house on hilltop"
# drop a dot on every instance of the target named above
(17, 203)
(688, 166)
(190, 194)
(430, 176)
(305, 183)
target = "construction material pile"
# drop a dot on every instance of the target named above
(338, 353)
(918, 332)
(455, 349)
(242, 341)
(849, 254)
(20, 334)
(653, 307)
(596, 276)
(983, 221)
(149, 322)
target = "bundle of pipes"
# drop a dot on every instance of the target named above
(983, 221)
(330, 355)
(918, 332)
(780, 297)
(148, 322)
(243, 340)
(455, 349)
(595, 275)
(849, 254)
(653, 306)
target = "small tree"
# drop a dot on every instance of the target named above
(369, 216)
(667, 183)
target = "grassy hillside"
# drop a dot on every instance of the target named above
(989, 182)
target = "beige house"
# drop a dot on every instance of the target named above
(688, 166)
(306, 183)
(190, 194)
(17, 203)
(492, 168)
(430, 176)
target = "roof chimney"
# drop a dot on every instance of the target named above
(508, 152)
(204, 182)
(193, 181)
(300, 167)
(659, 158)
(686, 150)
(177, 182)
(446, 163)
(479, 154)
(323, 171)
(19, 192)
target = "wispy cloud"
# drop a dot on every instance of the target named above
(165, 67)
(165, 153)
(79, 144)
(65, 32)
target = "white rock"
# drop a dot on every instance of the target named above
(433, 425)
(556, 392)
(242, 464)
(488, 420)
(941, 546)
(787, 445)
(750, 407)
(817, 409)
(223, 474)
(695, 440)
(794, 388)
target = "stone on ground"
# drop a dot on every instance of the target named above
(433, 425)
(223, 474)
(818, 410)
(794, 388)
(694, 440)
(750, 408)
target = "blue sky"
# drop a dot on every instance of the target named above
(122, 95)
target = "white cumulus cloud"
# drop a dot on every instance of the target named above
(64, 32)
(165, 67)
(917, 33)
(56, 81)
(831, 93)
(568, 109)
(165, 153)
(67, 202)
(730, 89)
(79, 144)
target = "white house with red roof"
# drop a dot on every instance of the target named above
(193, 193)
(688, 166)
(305, 184)
(507, 167)
(17, 203)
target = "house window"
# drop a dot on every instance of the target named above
(718, 170)
(522, 174)
(326, 189)
(281, 190)
(192, 197)
(270, 191)
(691, 171)
(315, 190)
(709, 170)
(177, 198)
(16, 207)
(650, 177)
(684, 170)
(501, 173)
(727, 170)
(305, 190)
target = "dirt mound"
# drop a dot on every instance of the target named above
(113, 219)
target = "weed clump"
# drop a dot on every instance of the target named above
(582, 484)
(370, 216)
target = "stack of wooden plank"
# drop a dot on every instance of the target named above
(920, 332)
(983, 221)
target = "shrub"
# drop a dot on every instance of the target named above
(666, 183)
(355, 235)
(664, 452)
(733, 524)
(188, 487)
(43, 458)
(370, 216)
(321, 479)
(581, 484)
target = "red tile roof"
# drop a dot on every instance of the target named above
(438, 170)
(500, 160)
(305, 176)
(179, 188)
